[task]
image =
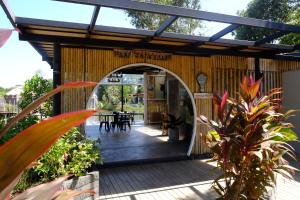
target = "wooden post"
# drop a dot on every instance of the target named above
(122, 97)
(258, 74)
(57, 78)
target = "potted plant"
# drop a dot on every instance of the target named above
(171, 124)
(249, 141)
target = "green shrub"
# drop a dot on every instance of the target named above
(33, 88)
(21, 125)
(108, 106)
(27, 180)
(71, 154)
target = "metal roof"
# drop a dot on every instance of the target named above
(43, 35)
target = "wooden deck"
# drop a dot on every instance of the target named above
(172, 180)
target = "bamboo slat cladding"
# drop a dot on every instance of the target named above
(223, 72)
(203, 106)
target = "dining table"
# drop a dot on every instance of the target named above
(106, 118)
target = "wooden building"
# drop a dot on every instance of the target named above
(89, 52)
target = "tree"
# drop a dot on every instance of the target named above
(293, 38)
(114, 96)
(273, 10)
(2, 91)
(33, 89)
(150, 21)
(101, 93)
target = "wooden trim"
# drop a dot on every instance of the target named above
(57, 79)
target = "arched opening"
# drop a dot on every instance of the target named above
(152, 97)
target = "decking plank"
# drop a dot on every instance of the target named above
(183, 180)
(104, 184)
(110, 186)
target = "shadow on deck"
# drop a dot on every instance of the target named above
(190, 179)
(171, 180)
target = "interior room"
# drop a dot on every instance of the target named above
(144, 113)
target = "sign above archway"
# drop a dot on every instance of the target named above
(142, 54)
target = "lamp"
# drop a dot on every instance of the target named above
(202, 78)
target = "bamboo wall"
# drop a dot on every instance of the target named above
(224, 73)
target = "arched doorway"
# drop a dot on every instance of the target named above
(170, 88)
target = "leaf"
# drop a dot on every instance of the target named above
(284, 173)
(223, 102)
(43, 191)
(290, 112)
(288, 167)
(244, 86)
(254, 89)
(257, 154)
(202, 119)
(6, 192)
(251, 80)
(287, 134)
(40, 100)
(27, 146)
(214, 134)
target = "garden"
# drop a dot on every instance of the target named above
(49, 156)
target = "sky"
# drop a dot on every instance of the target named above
(19, 61)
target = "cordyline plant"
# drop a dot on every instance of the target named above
(249, 141)
(18, 153)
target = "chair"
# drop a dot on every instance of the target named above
(115, 121)
(124, 121)
(104, 120)
(132, 117)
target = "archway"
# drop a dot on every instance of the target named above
(171, 74)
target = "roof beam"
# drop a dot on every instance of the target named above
(168, 22)
(188, 13)
(223, 32)
(94, 18)
(270, 38)
(111, 44)
(10, 15)
(189, 38)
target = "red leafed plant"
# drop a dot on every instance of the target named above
(249, 141)
(18, 153)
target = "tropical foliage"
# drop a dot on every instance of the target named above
(71, 154)
(21, 151)
(249, 142)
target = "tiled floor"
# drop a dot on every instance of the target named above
(138, 143)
